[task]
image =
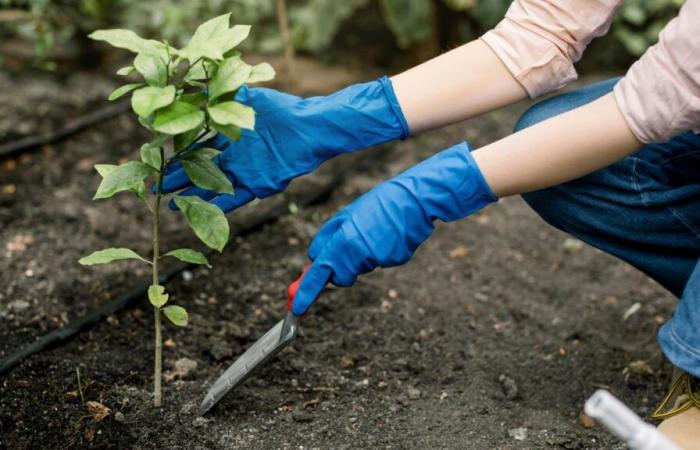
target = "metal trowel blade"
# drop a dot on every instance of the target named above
(258, 354)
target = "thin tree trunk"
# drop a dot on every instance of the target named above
(283, 24)
(157, 376)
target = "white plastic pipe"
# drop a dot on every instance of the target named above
(625, 424)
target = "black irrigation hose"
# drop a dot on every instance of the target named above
(13, 148)
(74, 327)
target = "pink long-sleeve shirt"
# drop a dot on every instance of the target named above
(540, 40)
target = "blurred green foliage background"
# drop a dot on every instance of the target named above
(319, 27)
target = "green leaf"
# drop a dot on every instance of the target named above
(126, 177)
(110, 254)
(234, 36)
(205, 174)
(184, 140)
(150, 155)
(178, 118)
(206, 50)
(128, 70)
(105, 169)
(208, 152)
(157, 295)
(208, 221)
(210, 29)
(176, 314)
(230, 131)
(233, 113)
(128, 40)
(120, 91)
(197, 99)
(190, 256)
(213, 38)
(153, 69)
(634, 14)
(229, 76)
(146, 100)
(261, 72)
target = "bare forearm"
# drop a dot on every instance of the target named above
(462, 83)
(557, 150)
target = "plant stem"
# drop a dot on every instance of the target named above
(157, 391)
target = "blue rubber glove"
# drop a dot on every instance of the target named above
(386, 225)
(295, 135)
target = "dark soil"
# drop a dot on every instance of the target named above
(499, 323)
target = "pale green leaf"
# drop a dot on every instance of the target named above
(105, 169)
(176, 314)
(205, 174)
(208, 221)
(190, 256)
(233, 113)
(178, 118)
(211, 29)
(120, 91)
(150, 155)
(110, 254)
(193, 52)
(261, 72)
(153, 69)
(230, 131)
(128, 70)
(126, 177)
(208, 152)
(234, 36)
(229, 76)
(128, 40)
(146, 100)
(157, 295)
(197, 99)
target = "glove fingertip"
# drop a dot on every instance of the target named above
(310, 288)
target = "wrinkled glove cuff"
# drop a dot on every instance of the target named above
(388, 87)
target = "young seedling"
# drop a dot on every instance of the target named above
(186, 96)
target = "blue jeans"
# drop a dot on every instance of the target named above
(644, 209)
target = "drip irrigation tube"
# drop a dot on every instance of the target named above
(13, 148)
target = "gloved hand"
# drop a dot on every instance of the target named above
(294, 136)
(386, 225)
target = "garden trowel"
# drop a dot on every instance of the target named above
(258, 354)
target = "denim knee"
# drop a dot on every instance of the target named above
(564, 102)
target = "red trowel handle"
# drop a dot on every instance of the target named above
(294, 287)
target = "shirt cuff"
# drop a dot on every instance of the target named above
(539, 67)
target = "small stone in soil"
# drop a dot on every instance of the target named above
(519, 434)
(220, 351)
(119, 417)
(200, 421)
(183, 367)
(587, 421)
(301, 416)
(413, 393)
(346, 361)
(510, 389)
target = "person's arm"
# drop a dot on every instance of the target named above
(532, 51)
(385, 226)
(557, 150)
(462, 83)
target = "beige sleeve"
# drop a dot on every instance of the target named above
(660, 94)
(540, 40)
